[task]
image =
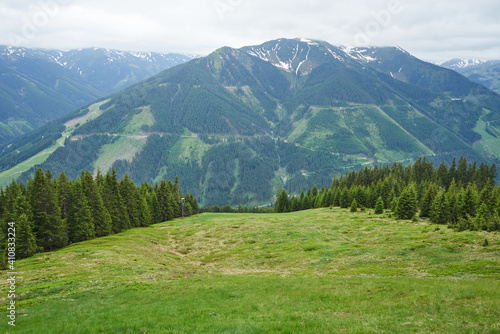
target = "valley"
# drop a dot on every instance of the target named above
(239, 123)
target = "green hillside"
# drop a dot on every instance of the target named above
(316, 271)
(239, 123)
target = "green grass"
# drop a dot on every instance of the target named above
(317, 271)
(145, 117)
(124, 147)
(189, 147)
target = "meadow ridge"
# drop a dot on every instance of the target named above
(315, 271)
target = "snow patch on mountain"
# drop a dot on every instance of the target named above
(463, 63)
(360, 54)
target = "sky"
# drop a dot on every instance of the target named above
(434, 30)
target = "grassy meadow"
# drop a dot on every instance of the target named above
(316, 271)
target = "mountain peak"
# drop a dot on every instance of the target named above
(299, 55)
(462, 63)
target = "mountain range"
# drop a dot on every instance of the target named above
(38, 85)
(239, 123)
(485, 72)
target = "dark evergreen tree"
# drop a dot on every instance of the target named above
(166, 211)
(354, 205)
(64, 195)
(49, 227)
(407, 204)
(379, 206)
(25, 238)
(483, 217)
(470, 201)
(130, 196)
(282, 203)
(344, 198)
(439, 211)
(427, 200)
(114, 203)
(80, 222)
(100, 215)
(454, 203)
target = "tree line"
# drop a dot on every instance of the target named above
(49, 213)
(462, 195)
(240, 209)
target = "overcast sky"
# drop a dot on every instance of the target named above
(429, 29)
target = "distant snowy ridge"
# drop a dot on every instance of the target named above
(61, 57)
(463, 63)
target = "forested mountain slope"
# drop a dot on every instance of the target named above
(38, 85)
(238, 123)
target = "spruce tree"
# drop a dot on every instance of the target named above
(453, 201)
(470, 201)
(427, 200)
(439, 210)
(80, 223)
(49, 228)
(114, 203)
(154, 207)
(344, 198)
(100, 215)
(282, 203)
(386, 193)
(194, 203)
(163, 201)
(25, 238)
(130, 196)
(407, 204)
(379, 206)
(354, 206)
(145, 213)
(64, 195)
(482, 219)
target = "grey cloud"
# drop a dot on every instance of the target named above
(426, 28)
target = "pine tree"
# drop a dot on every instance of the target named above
(187, 210)
(305, 204)
(194, 203)
(282, 204)
(145, 213)
(482, 219)
(439, 210)
(172, 204)
(487, 195)
(114, 203)
(129, 195)
(379, 206)
(49, 228)
(163, 202)
(407, 204)
(354, 206)
(295, 204)
(80, 222)
(344, 198)
(100, 215)
(427, 200)
(63, 195)
(453, 201)
(470, 201)
(386, 193)
(154, 207)
(25, 238)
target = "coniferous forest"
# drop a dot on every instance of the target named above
(463, 195)
(49, 213)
